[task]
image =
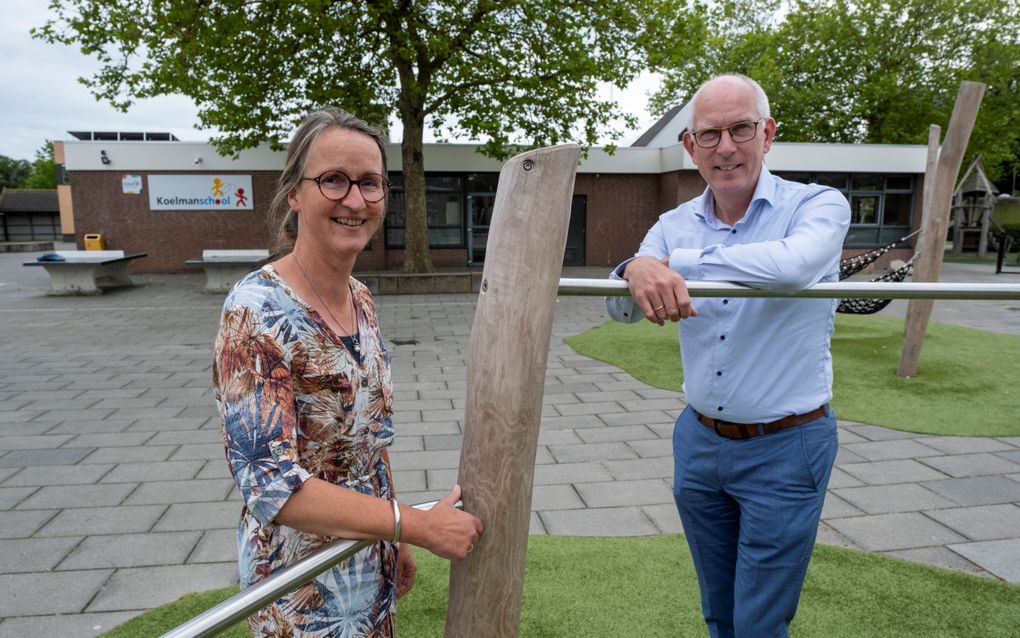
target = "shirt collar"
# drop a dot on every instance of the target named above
(764, 190)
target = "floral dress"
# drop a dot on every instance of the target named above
(294, 403)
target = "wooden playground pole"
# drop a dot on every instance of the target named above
(505, 382)
(938, 196)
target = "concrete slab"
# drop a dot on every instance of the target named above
(884, 532)
(884, 499)
(966, 444)
(564, 473)
(63, 496)
(58, 475)
(34, 554)
(46, 593)
(11, 496)
(890, 449)
(664, 517)
(215, 546)
(887, 472)
(644, 468)
(30, 442)
(981, 490)
(193, 491)
(154, 471)
(592, 452)
(78, 625)
(22, 524)
(983, 522)
(147, 587)
(555, 497)
(966, 465)
(836, 507)
(609, 521)
(1001, 557)
(131, 550)
(939, 557)
(101, 520)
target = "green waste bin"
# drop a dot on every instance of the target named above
(95, 242)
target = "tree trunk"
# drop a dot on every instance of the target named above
(417, 258)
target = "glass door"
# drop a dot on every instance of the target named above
(479, 217)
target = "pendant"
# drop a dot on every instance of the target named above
(357, 344)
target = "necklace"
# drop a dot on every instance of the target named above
(354, 334)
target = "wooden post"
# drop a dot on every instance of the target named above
(938, 195)
(986, 216)
(506, 379)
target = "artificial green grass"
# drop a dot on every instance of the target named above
(646, 587)
(966, 383)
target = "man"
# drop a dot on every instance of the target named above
(754, 448)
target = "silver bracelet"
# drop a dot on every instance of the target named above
(396, 520)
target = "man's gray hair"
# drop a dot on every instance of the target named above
(761, 100)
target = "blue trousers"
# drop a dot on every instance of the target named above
(750, 511)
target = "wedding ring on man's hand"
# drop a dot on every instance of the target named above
(658, 308)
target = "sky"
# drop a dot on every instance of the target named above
(41, 98)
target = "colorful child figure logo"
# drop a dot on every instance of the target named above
(217, 187)
(242, 199)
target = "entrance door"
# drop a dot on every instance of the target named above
(479, 217)
(573, 255)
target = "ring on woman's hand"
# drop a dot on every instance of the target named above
(658, 308)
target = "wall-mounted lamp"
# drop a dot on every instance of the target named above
(103, 158)
(198, 159)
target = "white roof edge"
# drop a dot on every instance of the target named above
(784, 156)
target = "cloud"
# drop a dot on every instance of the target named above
(43, 99)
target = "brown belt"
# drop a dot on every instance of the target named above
(750, 430)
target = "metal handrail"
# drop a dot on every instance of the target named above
(244, 603)
(836, 290)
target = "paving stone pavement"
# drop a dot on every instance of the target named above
(115, 497)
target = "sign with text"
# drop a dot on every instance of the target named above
(131, 184)
(200, 192)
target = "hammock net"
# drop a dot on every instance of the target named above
(853, 265)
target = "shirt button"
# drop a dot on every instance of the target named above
(718, 373)
(722, 337)
(719, 408)
(725, 301)
(733, 232)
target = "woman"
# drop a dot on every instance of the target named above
(302, 383)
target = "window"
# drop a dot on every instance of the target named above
(444, 203)
(880, 205)
(447, 198)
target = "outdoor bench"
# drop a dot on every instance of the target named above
(224, 267)
(81, 271)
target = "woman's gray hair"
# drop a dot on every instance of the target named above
(761, 100)
(283, 221)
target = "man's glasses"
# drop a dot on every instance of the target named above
(739, 132)
(334, 185)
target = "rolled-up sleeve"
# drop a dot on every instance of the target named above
(800, 259)
(255, 398)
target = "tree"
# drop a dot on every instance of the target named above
(13, 172)
(872, 71)
(511, 72)
(44, 170)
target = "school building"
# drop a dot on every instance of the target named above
(149, 192)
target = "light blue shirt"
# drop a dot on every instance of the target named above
(753, 360)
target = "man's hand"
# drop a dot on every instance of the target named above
(661, 292)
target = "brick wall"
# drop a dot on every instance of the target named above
(620, 210)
